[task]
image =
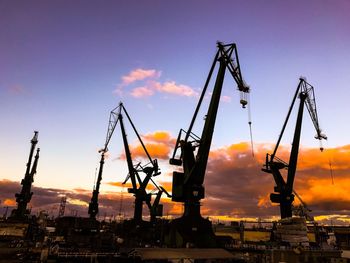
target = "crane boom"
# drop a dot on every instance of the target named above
(132, 171)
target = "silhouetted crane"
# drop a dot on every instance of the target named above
(188, 185)
(284, 188)
(93, 205)
(138, 184)
(24, 197)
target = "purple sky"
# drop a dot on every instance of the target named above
(62, 61)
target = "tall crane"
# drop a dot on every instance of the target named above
(93, 205)
(138, 184)
(284, 188)
(24, 197)
(188, 185)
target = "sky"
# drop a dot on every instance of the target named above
(64, 65)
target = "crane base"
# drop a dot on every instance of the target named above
(190, 231)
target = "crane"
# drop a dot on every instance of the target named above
(93, 205)
(187, 186)
(138, 185)
(284, 188)
(24, 197)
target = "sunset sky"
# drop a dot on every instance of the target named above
(64, 65)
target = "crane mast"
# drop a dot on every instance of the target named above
(24, 197)
(284, 188)
(188, 185)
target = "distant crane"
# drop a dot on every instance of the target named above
(62, 207)
(24, 197)
(93, 205)
(188, 185)
(138, 186)
(284, 188)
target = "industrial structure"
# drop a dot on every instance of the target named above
(191, 237)
(284, 188)
(188, 186)
(149, 170)
(138, 183)
(23, 198)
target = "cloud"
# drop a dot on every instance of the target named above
(48, 199)
(158, 144)
(9, 202)
(136, 75)
(140, 74)
(235, 186)
(16, 89)
(155, 150)
(150, 85)
(160, 136)
(142, 92)
(223, 98)
(226, 98)
(171, 87)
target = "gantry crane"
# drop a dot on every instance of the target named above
(24, 197)
(284, 188)
(188, 185)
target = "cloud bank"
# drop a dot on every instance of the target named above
(235, 186)
(151, 85)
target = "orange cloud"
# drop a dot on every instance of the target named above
(172, 88)
(235, 186)
(323, 195)
(166, 185)
(264, 201)
(176, 209)
(156, 150)
(10, 202)
(140, 74)
(158, 144)
(160, 136)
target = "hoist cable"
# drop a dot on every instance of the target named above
(250, 127)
